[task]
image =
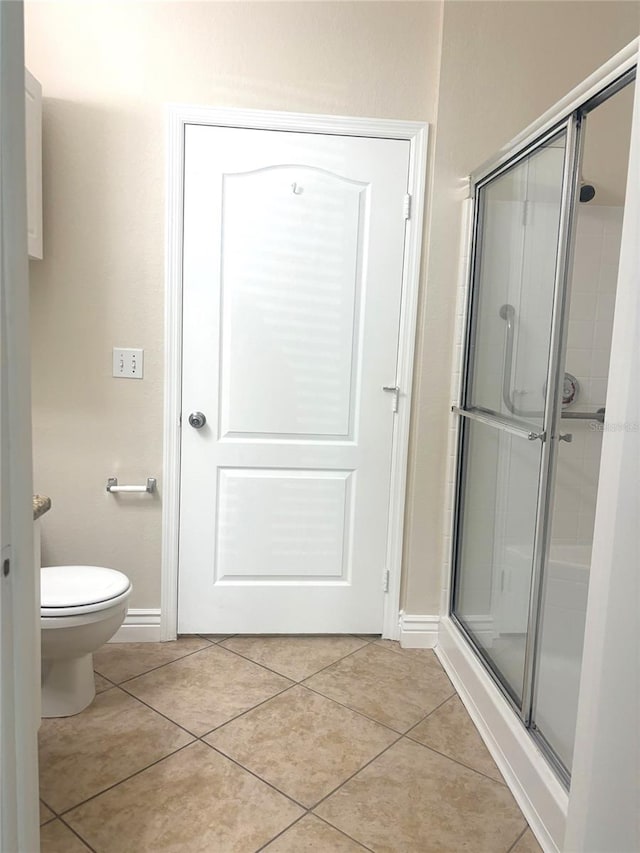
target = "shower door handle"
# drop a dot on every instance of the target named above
(498, 423)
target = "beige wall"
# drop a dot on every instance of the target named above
(107, 69)
(503, 64)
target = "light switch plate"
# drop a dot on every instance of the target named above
(128, 363)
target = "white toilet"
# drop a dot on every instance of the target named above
(81, 608)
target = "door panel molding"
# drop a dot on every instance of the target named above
(416, 133)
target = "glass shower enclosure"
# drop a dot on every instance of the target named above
(510, 410)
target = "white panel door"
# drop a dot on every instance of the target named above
(292, 279)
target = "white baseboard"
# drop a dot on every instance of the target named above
(139, 626)
(534, 785)
(418, 632)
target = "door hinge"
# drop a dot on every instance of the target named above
(6, 561)
(407, 206)
(385, 584)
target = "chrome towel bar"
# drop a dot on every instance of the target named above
(112, 486)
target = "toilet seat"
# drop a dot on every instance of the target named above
(75, 590)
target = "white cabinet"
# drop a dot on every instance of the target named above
(33, 98)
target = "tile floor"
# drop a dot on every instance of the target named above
(282, 744)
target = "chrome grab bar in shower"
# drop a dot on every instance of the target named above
(507, 312)
(584, 416)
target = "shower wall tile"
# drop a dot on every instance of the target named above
(599, 366)
(580, 333)
(605, 307)
(581, 361)
(583, 305)
(598, 236)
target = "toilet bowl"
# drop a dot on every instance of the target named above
(81, 608)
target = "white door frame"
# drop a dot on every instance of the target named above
(416, 134)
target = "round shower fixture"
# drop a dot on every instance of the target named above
(587, 192)
(570, 389)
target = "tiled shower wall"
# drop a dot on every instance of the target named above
(595, 272)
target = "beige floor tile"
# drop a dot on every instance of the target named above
(311, 834)
(294, 657)
(121, 661)
(527, 844)
(45, 813)
(449, 730)
(394, 646)
(413, 800)
(397, 690)
(55, 837)
(196, 800)
(206, 689)
(113, 738)
(302, 743)
(101, 683)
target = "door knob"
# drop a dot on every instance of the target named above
(197, 420)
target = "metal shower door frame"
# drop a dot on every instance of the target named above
(571, 125)
(572, 118)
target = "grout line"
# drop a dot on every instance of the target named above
(354, 710)
(458, 762)
(160, 666)
(309, 813)
(108, 680)
(223, 637)
(515, 843)
(282, 831)
(342, 832)
(77, 834)
(359, 770)
(246, 711)
(255, 776)
(257, 663)
(426, 716)
(272, 785)
(47, 805)
(121, 781)
(305, 677)
(151, 708)
(338, 660)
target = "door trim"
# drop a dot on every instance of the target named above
(20, 579)
(416, 133)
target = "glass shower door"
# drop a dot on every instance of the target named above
(513, 331)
